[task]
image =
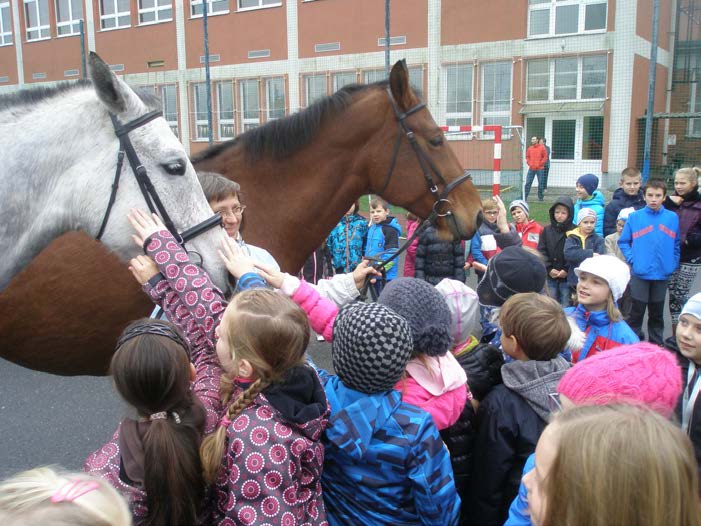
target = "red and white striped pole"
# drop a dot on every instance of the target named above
(496, 162)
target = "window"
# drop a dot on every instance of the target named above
(593, 138)
(695, 107)
(114, 14)
(214, 7)
(256, 4)
(496, 95)
(5, 24)
(154, 11)
(68, 15)
(250, 103)
(416, 79)
(314, 87)
(564, 132)
(199, 98)
(594, 77)
(275, 98)
(170, 106)
(459, 95)
(36, 16)
(373, 75)
(343, 79)
(565, 17)
(225, 110)
(567, 78)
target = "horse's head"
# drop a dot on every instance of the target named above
(165, 162)
(417, 175)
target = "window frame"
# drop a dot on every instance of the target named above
(336, 74)
(74, 31)
(116, 15)
(42, 29)
(195, 87)
(247, 122)
(6, 37)
(219, 86)
(268, 105)
(553, 5)
(260, 5)
(156, 10)
(460, 115)
(496, 114)
(309, 76)
(552, 78)
(174, 124)
(210, 10)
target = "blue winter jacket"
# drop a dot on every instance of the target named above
(600, 333)
(383, 241)
(650, 243)
(595, 202)
(347, 242)
(518, 511)
(619, 201)
(385, 463)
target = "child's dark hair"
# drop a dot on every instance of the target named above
(537, 322)
(378, 202)
(272, 333)
(655, 183)
(151, 371)
(216, 187)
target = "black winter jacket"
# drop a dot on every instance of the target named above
(619, 201)
(437, 259)
(482, 365)
(552, 240)
(460, 438)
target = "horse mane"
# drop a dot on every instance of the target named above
(283, 137)
(29, 97)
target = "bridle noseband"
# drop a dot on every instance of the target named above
(149, 192)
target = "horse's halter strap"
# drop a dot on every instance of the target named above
(147, 189)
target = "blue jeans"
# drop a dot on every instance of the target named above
(559, 290)
(529, 182)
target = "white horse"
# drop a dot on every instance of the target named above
(58, 161)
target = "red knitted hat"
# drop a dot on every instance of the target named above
(640, 373)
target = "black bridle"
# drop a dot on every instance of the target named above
(151, 197)
(442, 206)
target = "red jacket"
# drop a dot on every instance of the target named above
(529, 233)
(536, 157)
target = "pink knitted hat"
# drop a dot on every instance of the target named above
(638, 373)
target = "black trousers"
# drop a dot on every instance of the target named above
(648, 294)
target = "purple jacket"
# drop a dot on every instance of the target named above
(105, 462)
(689, 213)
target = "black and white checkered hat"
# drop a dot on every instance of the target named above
(371, 347)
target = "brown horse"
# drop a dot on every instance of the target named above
(298, 175)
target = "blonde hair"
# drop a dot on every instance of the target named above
(537, 322)
(691, 174)
(620, 465)
(272, 333)
(489, 204)
(27, 498)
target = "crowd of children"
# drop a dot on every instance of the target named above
(528, 401)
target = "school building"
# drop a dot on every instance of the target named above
(573, 71)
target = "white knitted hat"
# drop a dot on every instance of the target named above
(610, 268)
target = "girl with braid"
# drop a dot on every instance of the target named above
(263, 459)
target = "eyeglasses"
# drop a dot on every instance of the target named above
(492, 212)
(235, 211)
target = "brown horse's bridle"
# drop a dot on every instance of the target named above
(151, 197)
(442, 205)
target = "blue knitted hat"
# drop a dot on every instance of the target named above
(590, 182)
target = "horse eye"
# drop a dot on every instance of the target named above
(174, 168)
(436, 141)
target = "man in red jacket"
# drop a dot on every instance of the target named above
(536, 156)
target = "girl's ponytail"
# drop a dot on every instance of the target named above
(173, 478)
(212, 448)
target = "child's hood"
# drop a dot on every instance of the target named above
(597, 198)
(567, 203)
(535, 381)
(437, 374)
(301, 400)
(577, 232)
(392, 221)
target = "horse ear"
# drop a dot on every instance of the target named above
(399, 84)
(108, 87)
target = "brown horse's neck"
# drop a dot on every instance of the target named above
(293, 203)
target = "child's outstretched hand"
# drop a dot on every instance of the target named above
(237, 263)
(145, 225)
(363, 270)
(143, 268)
(270, 274)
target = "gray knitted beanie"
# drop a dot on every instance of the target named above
(426, 311)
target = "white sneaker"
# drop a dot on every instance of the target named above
(319, 338)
